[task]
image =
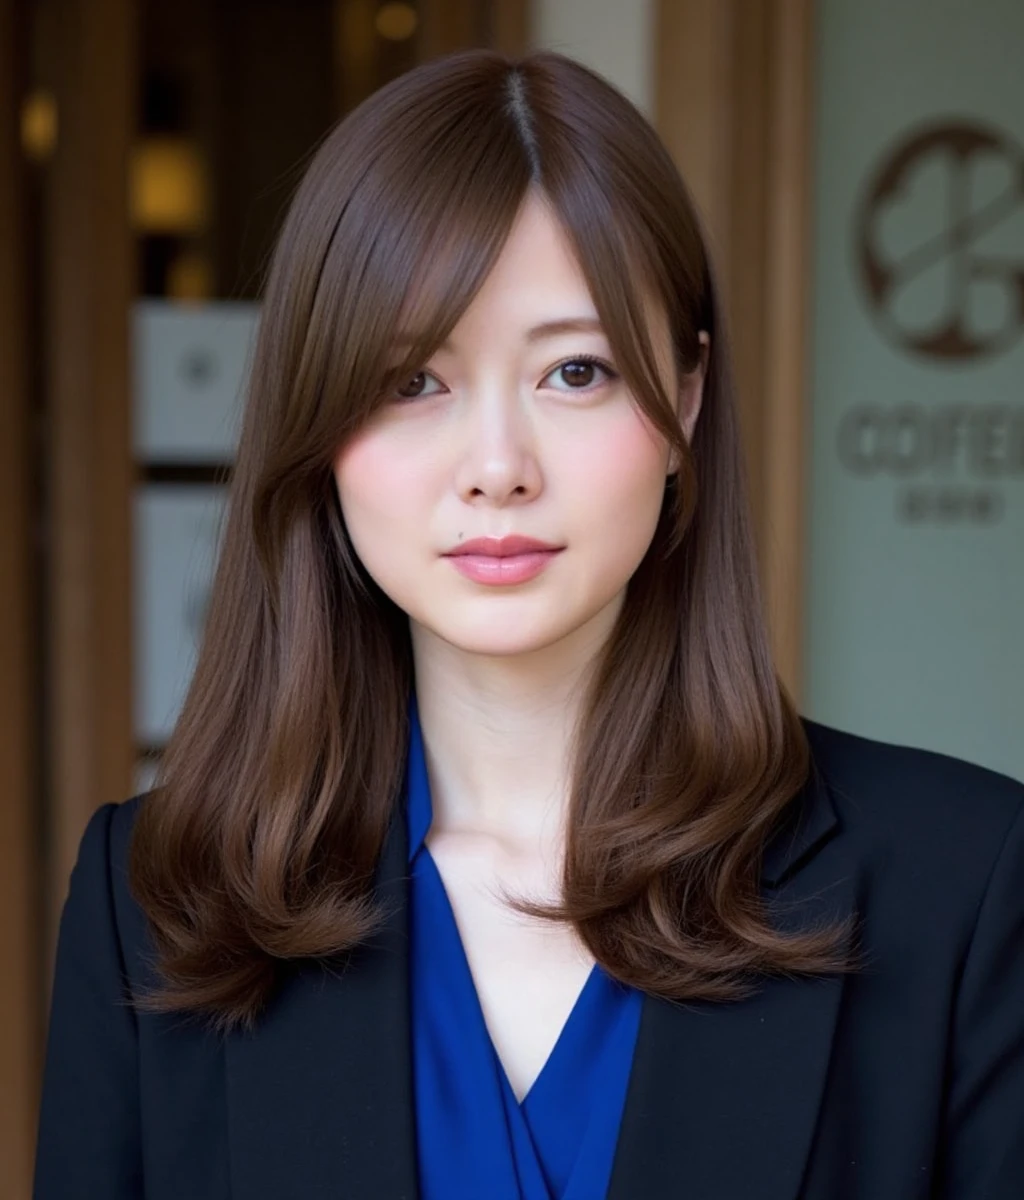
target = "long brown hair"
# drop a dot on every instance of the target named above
(285, 767)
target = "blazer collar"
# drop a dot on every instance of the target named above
(722, 1098)
(320, 1096)
(809, 823)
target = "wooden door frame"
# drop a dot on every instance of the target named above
(734, 102)
(20, 1025)
(90, 287)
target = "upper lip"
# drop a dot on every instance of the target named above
(501, 547)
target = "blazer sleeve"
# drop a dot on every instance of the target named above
(88, 1142)
(983, 1142)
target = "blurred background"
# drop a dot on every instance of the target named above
(859, 165)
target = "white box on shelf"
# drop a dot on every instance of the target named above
(176, 534)
(190, 364)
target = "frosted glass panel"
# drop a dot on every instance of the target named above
(916, 567)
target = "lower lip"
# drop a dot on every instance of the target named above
(516, 568)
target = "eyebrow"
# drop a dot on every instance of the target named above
(565, 325)
(537, 333)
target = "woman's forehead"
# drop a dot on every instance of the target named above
(537, 259)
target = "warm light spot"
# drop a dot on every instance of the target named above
(39, 125)
(168, 186)
(190, 278)
(396, 22)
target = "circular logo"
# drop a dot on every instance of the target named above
(939, 242)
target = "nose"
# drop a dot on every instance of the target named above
(498, 458)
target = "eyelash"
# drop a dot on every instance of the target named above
(588, 359)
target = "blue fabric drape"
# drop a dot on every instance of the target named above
(475, 1140)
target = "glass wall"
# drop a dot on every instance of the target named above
(916, 554)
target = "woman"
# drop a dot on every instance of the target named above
(490, 858)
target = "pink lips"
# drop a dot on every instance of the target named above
(512, 559)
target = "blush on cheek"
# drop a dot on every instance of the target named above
(366, 474)
(626, 452)
(355, 457)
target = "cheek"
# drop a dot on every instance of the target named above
(371, 482)
(378, 498)
(619, 473)
(618, 489)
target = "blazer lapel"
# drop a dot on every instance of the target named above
(320, 1099)
(723, 1098)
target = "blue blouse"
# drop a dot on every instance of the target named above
(475, 1140)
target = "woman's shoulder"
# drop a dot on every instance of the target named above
(99, 895)
(103, 848)
(919, 807)
(122, 820)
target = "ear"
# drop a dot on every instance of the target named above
(691, 395)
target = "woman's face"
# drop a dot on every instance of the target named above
(519, 425)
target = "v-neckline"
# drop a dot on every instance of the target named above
(582, 997)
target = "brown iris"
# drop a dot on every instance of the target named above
(578, 373)
(415, 385)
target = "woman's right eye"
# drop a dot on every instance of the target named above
(416, 386)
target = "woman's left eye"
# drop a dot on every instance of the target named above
(416, 386)
(581, 374)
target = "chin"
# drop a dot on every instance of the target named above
(504, 632)
(499, 643)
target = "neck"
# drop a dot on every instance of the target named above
(497, 734)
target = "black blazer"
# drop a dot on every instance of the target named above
(901, 1083)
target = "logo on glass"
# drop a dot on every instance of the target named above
(939, 242)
